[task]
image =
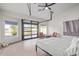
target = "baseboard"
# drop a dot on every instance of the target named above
(15, 42)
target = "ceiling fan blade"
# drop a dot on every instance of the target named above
(41, 6)
(51, 4)
(49, 8)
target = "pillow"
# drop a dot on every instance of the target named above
(55, 34)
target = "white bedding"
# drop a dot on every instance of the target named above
(55, 46)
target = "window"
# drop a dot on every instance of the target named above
(10, 28)
(43, 29)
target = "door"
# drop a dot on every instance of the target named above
(29, 29)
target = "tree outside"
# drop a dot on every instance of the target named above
(13, 30)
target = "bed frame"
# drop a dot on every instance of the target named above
(48, 52)
(42, 50)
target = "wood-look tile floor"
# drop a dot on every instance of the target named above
(24, 48)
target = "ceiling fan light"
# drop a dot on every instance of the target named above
(46, 8)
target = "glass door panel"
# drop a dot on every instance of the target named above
(27, 25)
(33, 36)
(34, 30)
(26, 37)
(29, 29)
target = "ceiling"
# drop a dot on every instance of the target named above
(21, 8)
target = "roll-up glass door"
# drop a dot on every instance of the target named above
(29, 29)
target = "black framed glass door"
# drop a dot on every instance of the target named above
(29, 29)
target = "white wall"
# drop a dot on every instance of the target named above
(57, 23)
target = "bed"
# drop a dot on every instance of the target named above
(54, 46)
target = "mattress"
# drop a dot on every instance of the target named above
(55, 46)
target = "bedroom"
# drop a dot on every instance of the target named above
(18, 14)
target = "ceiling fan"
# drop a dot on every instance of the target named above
(46, 6)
